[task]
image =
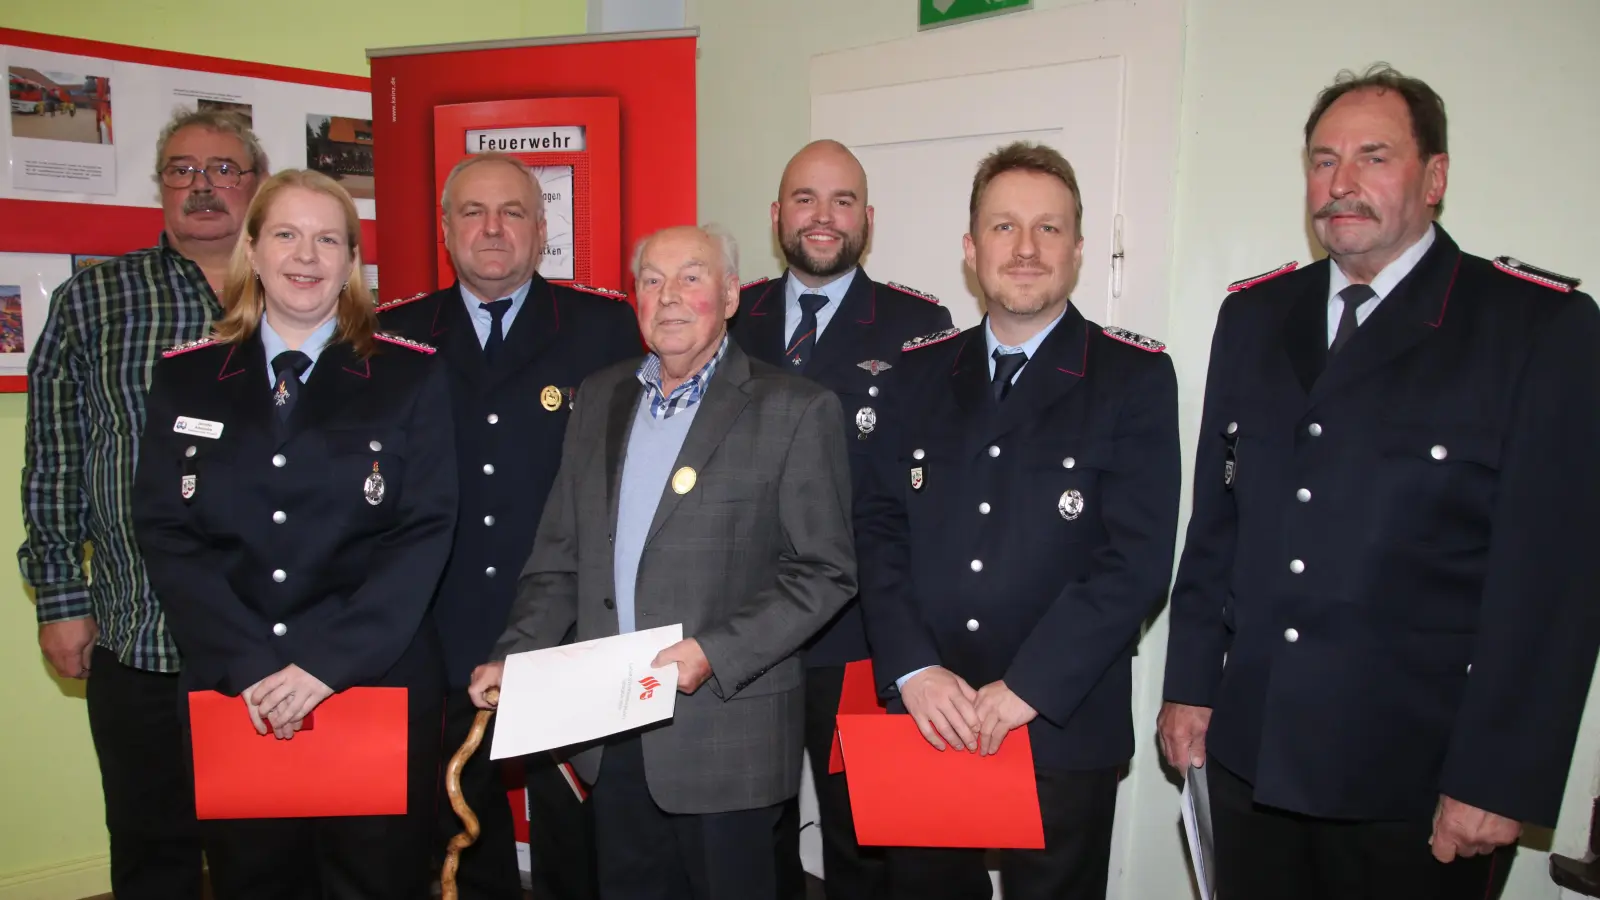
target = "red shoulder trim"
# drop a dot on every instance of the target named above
(1551, 280)
(407, 343)
(1254, 280)
(187, 347)
(920, 295)
(1134, 338)
(928, 340)
(393, 304)
(751, 284)
(603, 292)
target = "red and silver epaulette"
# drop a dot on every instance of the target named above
(408, 343)
(394, 304)
(928, 340)
(1553, 280)
(1254, 280)
(1134, 338)
(187, 346)
(750, 284)
(922, 295)
(604, 292)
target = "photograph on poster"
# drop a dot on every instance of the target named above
(369, 273)
(341, 147)
(559, 263)
(60, 106)
(11, 340)
(82, 261)
(26, 282)
(61, 123)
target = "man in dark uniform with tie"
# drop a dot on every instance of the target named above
(826, 320)
(1017, 529)
(517, 348)
(1383, 625)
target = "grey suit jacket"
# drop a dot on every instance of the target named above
(754, 560)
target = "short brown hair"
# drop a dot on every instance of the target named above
(1025, 157)
(220, 121)
(242, 297)
(1428, 124)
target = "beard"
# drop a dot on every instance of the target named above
(850, 248)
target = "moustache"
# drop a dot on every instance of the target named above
(1345, 208)
(197, 203)
(1027, 267)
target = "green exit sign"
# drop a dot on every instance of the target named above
(934, 13)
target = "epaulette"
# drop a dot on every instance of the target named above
(1254, 280)
(913, 292)
(187, 346)
(399, 341)
(1134, 338)
(1552, 280)
(751, 284)
(604, 292)
(928, 340)
(392, 304)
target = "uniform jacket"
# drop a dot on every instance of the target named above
(752, 560)
(1387, 591)
(316, 542)
(870, 325)
(509, 422)
(1026, 541)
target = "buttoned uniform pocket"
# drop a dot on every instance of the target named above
(1063, 485)
(368, 465)
(1438, 483)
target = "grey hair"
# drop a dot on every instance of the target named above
(727, 248)
(482, 158)
(218, 120)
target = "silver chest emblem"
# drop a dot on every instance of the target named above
(1070, 505)
(374, 487)
(866, 419)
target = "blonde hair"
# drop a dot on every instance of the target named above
(243, 300)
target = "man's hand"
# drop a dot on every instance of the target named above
(68, 645)
(941, 704)
(1462, 830)
(693, 667)
(284, 698)
(999, 711)
(485, 677)
(1183, 734)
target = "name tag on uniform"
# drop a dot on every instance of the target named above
(198, 427)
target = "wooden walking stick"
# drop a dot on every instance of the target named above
(452, 787)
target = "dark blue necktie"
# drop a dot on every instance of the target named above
(287, 367)
(805, 336)
(1353, 296)
(1006, 366)
(497, 311)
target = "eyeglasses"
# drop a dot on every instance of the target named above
(218, 175)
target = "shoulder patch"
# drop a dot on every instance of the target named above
(913, 292)
(408, 343)
(392, 304)
(603, 292)
(750, 284)
(1254, 280)
(928, 340)
(187, 346)
(1134, 338)
(1563, 283)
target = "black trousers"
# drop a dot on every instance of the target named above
(137, 721)
(1077, 809)
(560, 835)
(339, 857)
(850, 871)
(648, 854)
(1267, 854)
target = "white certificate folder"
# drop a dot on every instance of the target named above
(581, 692)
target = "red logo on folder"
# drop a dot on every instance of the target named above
(650, 684)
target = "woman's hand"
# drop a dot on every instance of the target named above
(283, 699)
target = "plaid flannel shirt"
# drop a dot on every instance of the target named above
(665, 406)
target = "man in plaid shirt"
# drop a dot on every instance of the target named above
(86, 385)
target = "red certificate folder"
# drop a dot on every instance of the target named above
(904, 793)
(859, 696)
(352, 762)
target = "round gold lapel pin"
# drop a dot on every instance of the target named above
(683, 480)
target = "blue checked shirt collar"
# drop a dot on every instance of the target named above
(665, 406)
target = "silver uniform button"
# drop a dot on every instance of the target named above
(280, 517)
(983, 508)
(376, 446)
(872, 391)
(280, 460)
(972, 624)
(1439, 451)
(493, 418)
(1303, 495)
(917, 454)
(994, 451)
(279, 575)
(488, 520)
(488, 468)
(489, 571)
(191, 450)
(1233, 427)
(1314, 430)
(1068, 463)
(1291, 635)
(280, 629)
(1469, 668)
(977, 565)
(1296, 566)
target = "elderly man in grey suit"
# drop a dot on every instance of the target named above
(705, 488)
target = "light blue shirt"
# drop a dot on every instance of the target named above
(1391, 275)
(833, 290)
(482, 321)
(312, 347)
(653, 447)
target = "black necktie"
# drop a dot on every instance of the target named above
(497, 311)
(805, 336)
(1006, 366)
(287, 367)
(1353, 296)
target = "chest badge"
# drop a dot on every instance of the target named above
(866, 420)
(550, 398)
(281, 395)
(874, 366)
(374, 488)
(1070, 505)
(683, 480)
(187, 487)
(917, 479)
